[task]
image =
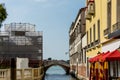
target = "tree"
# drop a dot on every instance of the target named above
(50, 58)
(3, 13)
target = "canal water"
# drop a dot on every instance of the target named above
(57, 73)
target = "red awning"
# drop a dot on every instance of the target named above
(99, 57)
(96, 58)
(102, 58)
(108, 56)
(112, 56)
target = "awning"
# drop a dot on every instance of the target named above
(108, 56)
(96, 58)
(112, 56)
(102, 58)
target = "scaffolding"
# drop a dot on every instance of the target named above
(21, 40)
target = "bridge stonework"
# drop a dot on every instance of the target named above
(61, 63)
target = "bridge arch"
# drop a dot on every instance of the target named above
(62, 64)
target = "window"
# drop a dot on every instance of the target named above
(118, 10)
(90, 35)
(94, 32)
(84, 56)
(119, 68)
(87, 37)
(88, 67)
(114, 69)
(79, 60)
(109, 14)
(98, 29)
(19, 33)
(78, 30)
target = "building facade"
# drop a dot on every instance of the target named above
(101, 34)
(76, 33)
(23, 41)
(102, 27)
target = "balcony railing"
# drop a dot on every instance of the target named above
(89, 45)
(116, 27)
(107, 31)
(96, 42)
(92, 44)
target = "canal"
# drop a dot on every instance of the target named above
(57, 73)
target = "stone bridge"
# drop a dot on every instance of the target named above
(65, 65)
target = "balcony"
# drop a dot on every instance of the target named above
(107, 31)
(89, 45)
(96, 42)
(115, 31)
(91, 8)
(92, 44)
(87, 16)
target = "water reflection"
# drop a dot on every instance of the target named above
(57, 73)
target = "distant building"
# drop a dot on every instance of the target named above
(21, 40)
(76, 46)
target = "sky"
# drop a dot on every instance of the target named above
(53, 17)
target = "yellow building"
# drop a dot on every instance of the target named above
(102, 26)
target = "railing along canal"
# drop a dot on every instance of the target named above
(23, 74)
(5, 74)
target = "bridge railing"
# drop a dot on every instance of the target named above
(47, 63)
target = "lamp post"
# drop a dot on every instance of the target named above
(0, 21)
